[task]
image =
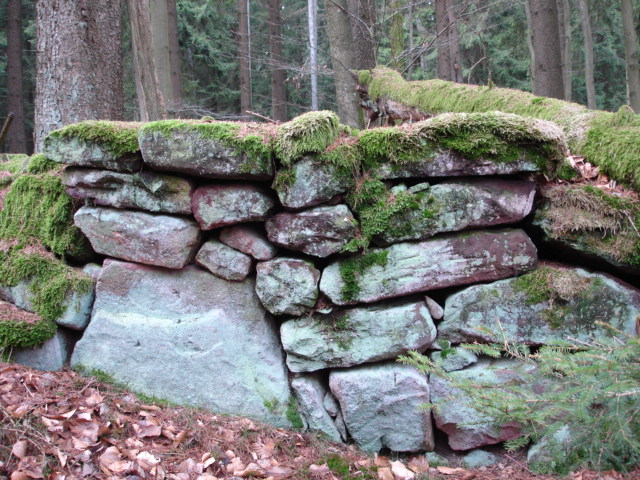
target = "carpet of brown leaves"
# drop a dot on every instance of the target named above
(62, 426)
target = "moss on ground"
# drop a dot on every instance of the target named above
(352, 270)
(13, 163)
(117, 138)
(312, 132)
(21, 329)
(39, 163)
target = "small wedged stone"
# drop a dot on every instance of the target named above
(381, 406)
(455, 358)
(249, 239)
(189, 337)
(320, 231)
(575, 300)
(152, 239)
(223, 261)
(51, 356)
(406, 268)
(309, 182)
(189, 152)
(311, 393)
(358, 335)
(219, 205)
(287, 286)
(460, 205)
(81, 153)
(147, 190)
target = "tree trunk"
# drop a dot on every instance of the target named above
(343, 58)
(150, 99)
(444, 60)
(564, 23)
(17, 140)
(532, 51)
(631, 55)
(312, 16)
(79, 73)
(396, 34)
(546, 42)
(243, 58)
(363, 19)
(455, 64)
(278, 90)
(588, 53)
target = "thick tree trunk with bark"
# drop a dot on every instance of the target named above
(362, 16)
(631, 55)
(278, 90)
(396, 34)
(585, 18)
(243, 57)
(79, 74)
(17, 140)
(442, 21)
(455, 64)
(547, 77)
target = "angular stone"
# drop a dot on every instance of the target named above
(81, 153)
(223, 261)
(406, 268)
(436, 311)
(287, 286)
(320, 231)
(51, 356)
(189, 152)
(455, 358)
(219, 205)
(249, 239)
(310, 182)
(381, 406)
(575, 299)
(148, 238)
(189, 337)
(358, 335)
(460, 205)
(480, 458)
(93, 270)
(147, 190)
(465, 426)
(310, 393)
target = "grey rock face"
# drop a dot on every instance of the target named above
(80, 153)
(358, 335)
(545, 455)
(287, 286)
(480, 458)
(189, 337)
(454, 358)
(147, 238)
(249, 239)
(219, 205)
(406, 268)
(223, 261)
(147, 190)
(311, 183)
(51, 356)
(310, 393)
(380, 406)
(188, 152)
(320, 231)
(575, 299)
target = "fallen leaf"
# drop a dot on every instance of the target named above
(381, 461)
(384, 473)
(279, 472)
(207, 476)
(19, 449)
(401, 472)
(266, 449)
(146, 460)
(319, 469)
(251, 470)
(418, 464)
(19, 476)
(450, 471)
(145, 428)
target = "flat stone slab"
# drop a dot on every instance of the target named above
(223, 261)
(152, 239)
(380, 405)
(406, 268)
(81, 153)
(249, 239)
(147, 190)
(219, 205)
(187, 151)
(189, 337)
(551, 303)
(350, 337)
(320, 231)
(287, 286)
(311, 394)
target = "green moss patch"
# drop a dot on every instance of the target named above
(118, 138)
(13, 163)
(352, 270)
(39, 163)
(22, 329)
(312, 132)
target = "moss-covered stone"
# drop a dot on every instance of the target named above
(39, 163)
(116, 138)
(22, 329)
(311, 132)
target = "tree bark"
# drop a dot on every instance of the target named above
(564, 23)
(243, 58)
(79, 73)
(444, 60)
(343, 58)
(17, 140)
(363, 19)
(631, 55)
(396, 34)
(547, 78)
(312, 16)
(532, 51)
(588, 53)
(278, 90)
(455, 64)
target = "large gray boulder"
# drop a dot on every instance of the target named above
(287, 286)
(312, 395)
(381, 406)
(85, 153)
(358, 335)
(320, 231)
(50, 356)
(189, 337)
(147, 238)
(147, 190)
(550, 303)
(406, 268)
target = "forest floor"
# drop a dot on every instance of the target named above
(63, 426)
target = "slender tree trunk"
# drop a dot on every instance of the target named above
(588, 53)
(243, 57)
(17, 140)
(174, 57)
(343, 59)
(546, 43)
(532, 51)
(396, 34)
(79, 64)
(455, 63)
(410, 35)
(312, 16)
(564, 22)
(278, 90)
(631, 55)
(150, 99)
(444, 60)
(363, 20)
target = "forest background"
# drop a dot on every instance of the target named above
(280, 58)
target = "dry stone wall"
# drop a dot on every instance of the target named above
(222, 288)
